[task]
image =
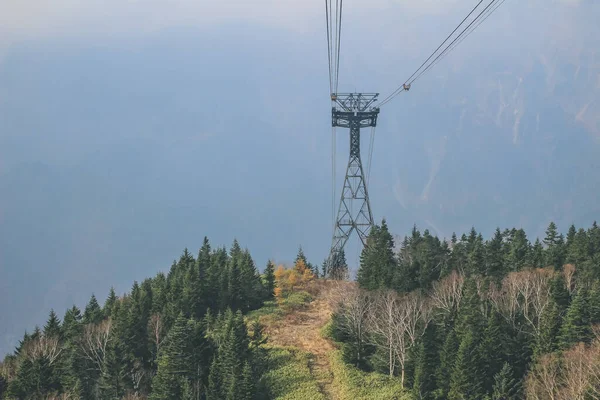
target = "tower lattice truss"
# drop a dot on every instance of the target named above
(353, 111)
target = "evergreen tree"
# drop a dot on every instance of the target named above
(73, 365)
(594, 303)
(571, 237)
(270, 280)
(52, 327)
(447, 361)
(467, 377)
(93, 312)
(324, 268)
(549, 330)
(506, 387)
(251, 284)
(559, 293)
(338, 268)
(300, 256)
(492, 348)
(594, 238)
(227, 377)
(425, 365)
(576, 327)
(173, 363)
(109, 303)
(377, 261)
(475, 257)
(554, 247)
(207, 275)
(193, 295)
(248, 389)
(518, 252)
(458, 255)
(494, 257)
(537, 255)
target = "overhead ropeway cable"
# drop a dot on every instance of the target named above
(438, 55)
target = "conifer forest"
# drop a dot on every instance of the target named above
(505, 317)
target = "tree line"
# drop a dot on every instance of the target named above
(176, 336)
(474, 319)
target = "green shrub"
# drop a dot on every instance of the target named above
(353, 384)
(288, 376)
(296, 300)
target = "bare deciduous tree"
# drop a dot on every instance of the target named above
(43, 347)
(447, 293)
(525, 293)
(543, 380)
(568, 274)
(574, 375)
(95, 341)
(397, 323)
(157, 330)
(384, 322)
(354, 307)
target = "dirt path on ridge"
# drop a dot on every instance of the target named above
(302, 329)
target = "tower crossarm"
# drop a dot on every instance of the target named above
(345, 119)
(354, 102)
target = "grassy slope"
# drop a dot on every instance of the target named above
(289, 377)
(351, 383)
(297, 371)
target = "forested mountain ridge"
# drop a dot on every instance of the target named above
(467, 318)
(175, 336)
(474, 319)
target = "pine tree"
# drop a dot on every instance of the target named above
(377, 260)
(492, 348)
(300, 256)
(536, 258)
(506, 387)
(73, 365)
(173, 363)
(270, 280)
(338, 268)
(594, 303)
(466, 379)
(193, 296)
(579, 250)
(559, 293)
(425, 365)
(518, 252)
(549, 330)
(52, 327)
(110, 301)
(554, 247)
(469, 315)
(324, 268)
(207, 275)
(247, 390)
(226, 378)
(93, 312)
(576, 327)
(475, 257)
(447, 361)
(494, 257)
(571, 236)
(594, 236)
(250, 284)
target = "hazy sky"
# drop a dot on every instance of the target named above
(131, 129)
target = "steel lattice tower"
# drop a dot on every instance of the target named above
(353, 111)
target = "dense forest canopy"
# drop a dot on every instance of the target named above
(468, 318)
(477, 319)
(175, 336)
